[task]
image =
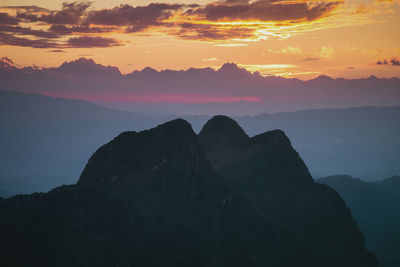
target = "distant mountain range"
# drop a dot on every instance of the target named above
(45, 141)
(229, 90)
(169, 197)
(376, 208)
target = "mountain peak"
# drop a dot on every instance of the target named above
(148, 70)
(85, 66)
(170, 146)
(322, 78)
(231, 67)
(176, 127)
(221, 130)
(373, 77)
(82, 61)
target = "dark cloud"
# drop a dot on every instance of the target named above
(71, 13)
(383, 62)
(263, 10)
(236, 2)
(66, 30)
(87, 41)
(136, 18)
(73, 42)
(210, 32)
(17, 30)
(56, 51)
(27, 8)
(75, 22)
(9, 39)
(6, 19)
(393, 62)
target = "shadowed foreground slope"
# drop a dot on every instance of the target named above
(153, 199)
(376, 207)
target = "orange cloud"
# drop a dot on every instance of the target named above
(361, 9)
(229, 20)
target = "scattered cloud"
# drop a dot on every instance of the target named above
(71, 13)
(210, 59)
(361, 9)
(135, 18)
(393, 62)
(68, 30)
(87, 41)
(309, 55)
(383, 62)
(311, 59)
(326, 52)
(9, 39)
(288, 50)
(6, 63)
(291, 50)
(79, 24)
(21, 31)
(73, 42)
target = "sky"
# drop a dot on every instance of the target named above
(288, 38)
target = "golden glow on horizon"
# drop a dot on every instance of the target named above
(347, 42)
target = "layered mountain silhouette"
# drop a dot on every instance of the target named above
(46, 141)
(250, 92)
(376, 207)
(169, 197)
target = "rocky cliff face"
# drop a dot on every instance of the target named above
(166, 197)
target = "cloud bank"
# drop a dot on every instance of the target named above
(78, 24)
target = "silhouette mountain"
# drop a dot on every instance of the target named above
(271, 176)
(84, 66)
(153, 198)
(376, 207)
(221, 131)
(229, 149)
(233, 70)
(65, 132)
(247, 93)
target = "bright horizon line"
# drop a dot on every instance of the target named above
(251, 68)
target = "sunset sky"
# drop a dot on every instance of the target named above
(301, 39)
